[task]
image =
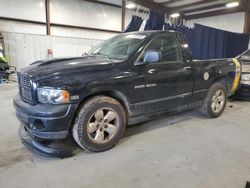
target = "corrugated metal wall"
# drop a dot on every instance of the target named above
(23, 49)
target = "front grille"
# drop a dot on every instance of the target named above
(25, 81)
(25, 88)
(26, 94)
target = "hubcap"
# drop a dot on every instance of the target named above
(218, 101)
(102, 125)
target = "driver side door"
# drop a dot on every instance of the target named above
(169, 81)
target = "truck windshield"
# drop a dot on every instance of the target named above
(119, 47)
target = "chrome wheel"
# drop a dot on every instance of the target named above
(102, 125)
(218, 101)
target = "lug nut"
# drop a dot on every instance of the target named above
(106, 126)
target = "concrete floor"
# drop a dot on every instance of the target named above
(185, 150)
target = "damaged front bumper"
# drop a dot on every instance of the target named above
(53, 149)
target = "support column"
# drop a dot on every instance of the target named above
(123, 15)
(47, 13)
(247, 18)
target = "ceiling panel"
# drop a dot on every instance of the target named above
(115, 2)
(204, 11)
(185, 2)
(180, 5)
(205, 5)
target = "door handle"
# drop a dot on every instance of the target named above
(187, 68)
(151, 71)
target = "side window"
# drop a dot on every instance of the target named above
(167, 46)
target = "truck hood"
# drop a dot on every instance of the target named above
(60, 66)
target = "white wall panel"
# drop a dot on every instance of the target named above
(230, 22)
(18, 27)
(23, 49)
(83, 13)
(72, 12)
(23, 9)
(69, 32)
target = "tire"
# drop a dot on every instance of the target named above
(215, 101)
(100, 124)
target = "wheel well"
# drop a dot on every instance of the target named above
(220, 80)
(113, 94)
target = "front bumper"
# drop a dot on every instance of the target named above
(63, 149)
(44, 121)
(243, 93)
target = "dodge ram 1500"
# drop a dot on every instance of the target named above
(125, 80)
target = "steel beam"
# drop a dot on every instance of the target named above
(47, 13)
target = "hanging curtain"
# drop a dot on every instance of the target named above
(155, 21)
(211, 43)
(215, 43)
(134, 24)
(238, 43)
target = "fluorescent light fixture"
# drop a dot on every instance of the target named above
(174, 15)
(232, 4)
(130, 5)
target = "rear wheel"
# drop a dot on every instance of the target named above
(215, 101)
(99, 124)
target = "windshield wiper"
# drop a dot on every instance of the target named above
(100, 54)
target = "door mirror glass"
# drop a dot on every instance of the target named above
(151, 56)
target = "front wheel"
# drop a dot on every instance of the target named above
(100, 124)
(215, 101)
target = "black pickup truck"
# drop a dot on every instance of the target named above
(125, 80)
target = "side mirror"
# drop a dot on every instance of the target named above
(151, 56)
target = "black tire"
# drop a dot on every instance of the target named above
(207, 107)
(87, 113)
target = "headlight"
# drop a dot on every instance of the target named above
(53, 96)
(245, 77)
